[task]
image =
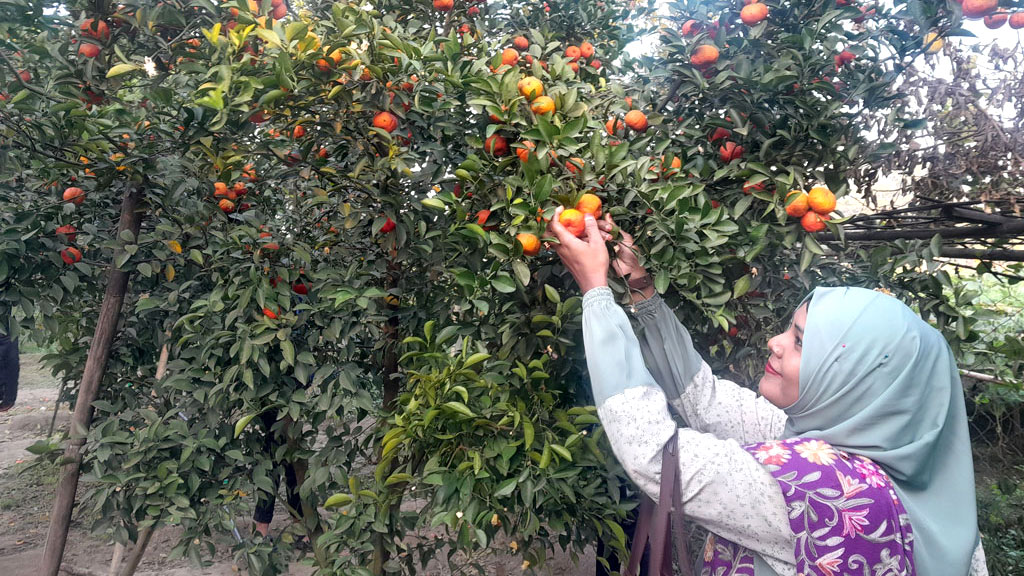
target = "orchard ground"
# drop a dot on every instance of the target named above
(26, 499)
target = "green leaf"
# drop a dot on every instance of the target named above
(552, 294)
(527, 433)
(506, 487)
(397, 478)
(742, 286)
(120, 69)
(288, 351)
(522, 272)
(433, 203)
(460, 408)
(562, 452)
(503, 283)
(242, 423)
(338, 500)
(476, 359)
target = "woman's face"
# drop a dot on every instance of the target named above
(781, 381)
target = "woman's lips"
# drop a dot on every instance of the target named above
(768, 369)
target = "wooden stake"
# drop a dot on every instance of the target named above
(95, 367)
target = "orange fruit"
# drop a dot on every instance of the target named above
(525, 152)
(520, 43)
(226, 206)
(704, 56)
(95, 29)
(589, 204)
(444, 5)
(573, 53)
(68, 231)
(613, 126)
(510, 57)
(813, 222)
(74, 194)
(282, 11)
(1017, 20)
(530, 87)
(979, 8)
(821, 200)
(996, 19)
(691, 28)
(672, 168)
(586, 50)
(797, 204)
(496, 145)
(388, 226)
(88, 50)
(529, 242)
(730, 151)
(595, 64)
(323, 65)
(572, 219)
(299, 132)
(753, 14)
(636, 120)
(270, 313)
(574, 165)
(386, 121)
(543, 105)
(71, 255)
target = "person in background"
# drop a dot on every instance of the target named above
(9, 368)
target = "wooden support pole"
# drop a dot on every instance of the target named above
(95, 367)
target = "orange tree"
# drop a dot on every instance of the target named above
(329, 197)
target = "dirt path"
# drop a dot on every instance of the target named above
(26, 497)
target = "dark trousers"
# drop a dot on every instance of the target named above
(9, 371)
(264, 511)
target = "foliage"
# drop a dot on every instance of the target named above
(1001, 522)
(362, 286)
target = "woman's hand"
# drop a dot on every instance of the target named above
(626, 264)
(586, 257)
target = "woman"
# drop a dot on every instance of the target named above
(854, 459)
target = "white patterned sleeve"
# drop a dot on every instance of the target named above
(707, 403)
(978, 565)
(723, 487)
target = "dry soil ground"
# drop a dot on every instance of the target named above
(26, 497)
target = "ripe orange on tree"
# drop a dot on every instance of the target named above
(595, 64)
(719, 134)
(542, 105)
(573, 221)
(388, 226)
(590, 204)
(574, 165)
(88, 50)
(521, 43)
(753, 14)
(71, 255)
(691, 28)
(573, 53)
(74, 194)
(730, 151)
(996, 19)
(704, 56)
(386, 121)
(530, 87)
(482, 217)
(444, 5)
(298, 132)
(814, 222)
(979, 8)
(496, 145)
(749, 188)
(636, 120)
(524, 152)
(529, 242)
(269, 313)
(821, 200)
(672, 168)
(323, 65)
(586, 50)
(797, 204)
(280, 12)
(68, 231)
(1017, 20)
(226, 206)
(509, 57)
(95, 29)
(614, 126)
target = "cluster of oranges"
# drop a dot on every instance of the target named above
(990, 11)
(69, 254)
(228, 195)
(93, 32)
(812, 208)
(571, 218)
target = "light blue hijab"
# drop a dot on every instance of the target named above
(877, 380)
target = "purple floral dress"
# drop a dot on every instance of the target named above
(842, 508)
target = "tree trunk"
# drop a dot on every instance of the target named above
(138, 552)
(95, 367)
(390, 388)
